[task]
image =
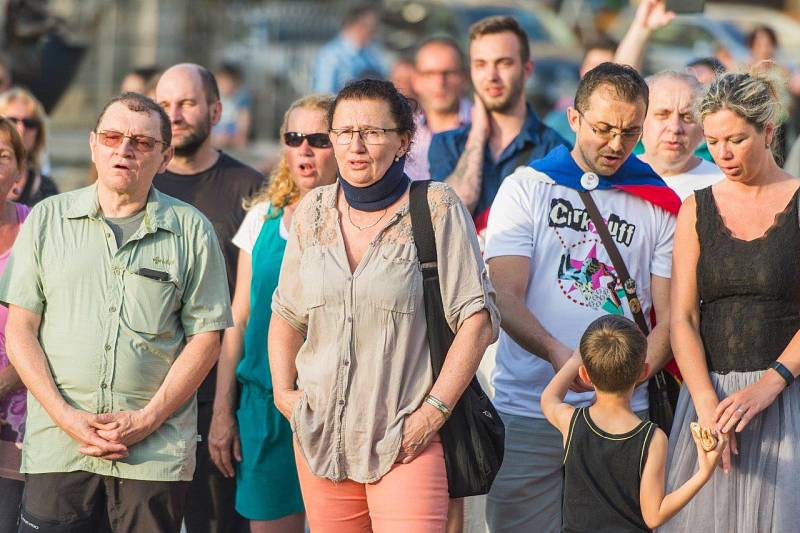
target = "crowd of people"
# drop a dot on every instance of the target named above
(186, 343)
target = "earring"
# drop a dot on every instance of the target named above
(396, 158)
(14, 191)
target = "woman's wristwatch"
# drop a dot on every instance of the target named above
(439, 405)
(784, 372)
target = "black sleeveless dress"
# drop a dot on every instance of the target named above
(749, 312)
(749, 290)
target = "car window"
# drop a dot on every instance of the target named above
(682, 35)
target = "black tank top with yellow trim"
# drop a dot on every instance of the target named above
(602, 473)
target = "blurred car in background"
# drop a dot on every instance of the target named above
(686, 38)
(555, 50)
(746, 18)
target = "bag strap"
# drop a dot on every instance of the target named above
(425, 241)
(628, 283)
(422, 226)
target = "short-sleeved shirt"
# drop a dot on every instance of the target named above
(218, 193)
(703, 175)
(572, 280)
(365, 363)
(534, 141)
(109, 330)
(247, 235)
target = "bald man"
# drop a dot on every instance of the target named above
(215, 183)
(672, 133)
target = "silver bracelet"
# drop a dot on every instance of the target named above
(439, 405)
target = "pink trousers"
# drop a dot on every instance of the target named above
(410, 497)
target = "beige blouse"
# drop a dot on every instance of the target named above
(365, 364)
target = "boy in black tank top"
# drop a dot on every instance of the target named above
(615, 463)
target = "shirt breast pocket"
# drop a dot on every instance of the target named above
(150, 305)
(393, 284)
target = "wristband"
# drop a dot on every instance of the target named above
(439, 405)
(784, 372)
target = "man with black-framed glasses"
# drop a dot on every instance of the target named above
(216, 184)
(554, 276)
(116, 296)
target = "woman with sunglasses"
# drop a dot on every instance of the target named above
(348, 343)
(27, 114)
(254, 442)
(12, 392)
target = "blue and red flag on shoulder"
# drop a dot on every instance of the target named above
(634, 177)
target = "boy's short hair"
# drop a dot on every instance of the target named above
(613, 350)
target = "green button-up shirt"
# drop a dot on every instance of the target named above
(110, 334)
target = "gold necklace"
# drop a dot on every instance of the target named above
(362, 228)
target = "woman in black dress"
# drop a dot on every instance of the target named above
(735, 316)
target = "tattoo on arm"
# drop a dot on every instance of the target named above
(467, 176)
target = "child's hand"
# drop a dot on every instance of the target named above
(708, 461)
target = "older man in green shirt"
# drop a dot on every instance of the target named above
(117, 294)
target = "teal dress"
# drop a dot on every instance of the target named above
(267, 487)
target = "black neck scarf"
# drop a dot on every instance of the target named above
(380, 194)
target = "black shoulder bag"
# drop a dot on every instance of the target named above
(473, 437)
(663, 387)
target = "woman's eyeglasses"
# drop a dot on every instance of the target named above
(374, 136)
(141, 143)
(29, 123)
(315, 140)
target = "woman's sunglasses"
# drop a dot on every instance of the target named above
(29, 123)
(316, 140)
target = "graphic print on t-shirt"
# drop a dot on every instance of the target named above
(582, 277)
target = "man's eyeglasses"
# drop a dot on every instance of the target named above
(368, 135)
(140, 143)
(315, 140)
(29, 123)
(606, 133)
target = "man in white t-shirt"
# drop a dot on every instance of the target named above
(672, 133)
(553, 277)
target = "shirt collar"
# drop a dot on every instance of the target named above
(531, 128)
(158, 213)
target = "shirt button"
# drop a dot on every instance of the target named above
(341, 402)
(108, 347)
(103, 385)
(112, 309)
(349, 319)
(346, 363)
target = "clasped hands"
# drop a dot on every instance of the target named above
(106, 435)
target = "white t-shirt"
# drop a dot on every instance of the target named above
(700, 177)
(570, 272)
(247, 234)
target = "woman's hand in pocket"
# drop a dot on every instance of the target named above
(419, 429)
(285, 401)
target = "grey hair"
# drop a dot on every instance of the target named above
(759, 97)
(677, 75)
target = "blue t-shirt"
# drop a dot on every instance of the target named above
(534, 141)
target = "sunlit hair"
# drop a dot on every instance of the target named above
(613, 350)
(760, 96)
(280, 189)
(36, 109)
(9, 133)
